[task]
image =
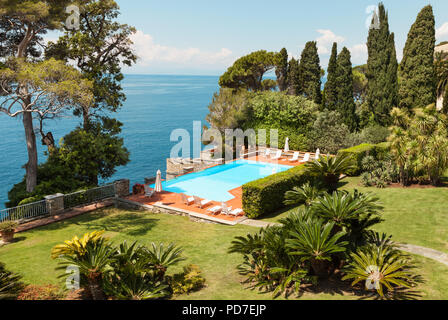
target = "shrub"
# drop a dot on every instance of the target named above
(48, 292)
(8, 226)
(267, 195)
(358, 153)
(189, 280)
(10, 285)
(382, 150)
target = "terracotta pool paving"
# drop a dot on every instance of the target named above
(174, 201)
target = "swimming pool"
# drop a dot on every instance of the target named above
(216, 182)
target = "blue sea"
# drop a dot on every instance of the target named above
(155, 106)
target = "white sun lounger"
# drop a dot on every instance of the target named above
(236, 212)
(295, 157)
(277, 155)
(215, 209)
(267, 152)
(148, 191)
(200, 203)
(306, 158)
(186, 200)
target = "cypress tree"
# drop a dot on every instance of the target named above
(417, 73)
(281, 69)
(382, 67)
(345, 102)
(330, 90)
(293, 77)
(310, 73)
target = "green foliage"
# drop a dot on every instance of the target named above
(229, 109)
(358, 153)
(329, 168)
(8, 226)
(189, 280)
(10, 285)
(99, 47)
(360, 83)
(305, 194)
(313, 241)
(345, 103)
(310, 73)
(382, 66)
(417, 73)
(419, 144)
(96, 152)
(379, 172)
(52, 177)
(293, 77)
(248, 71)
(384, 269)
(330, 94)
(281, 69)
(267, 195)
(162, 257)
(293, 116)
(329, 133)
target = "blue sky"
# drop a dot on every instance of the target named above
(206, 36)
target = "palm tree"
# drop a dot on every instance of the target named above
(92, 255)
(305, 194)
(331, 168)
(10, 285)
(132, 277)
(161, 257)
(381, 267)
(441, 66)
(342, 207)
(315, 243)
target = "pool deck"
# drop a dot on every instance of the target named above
(173, 201)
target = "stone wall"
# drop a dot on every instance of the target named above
(122, 188)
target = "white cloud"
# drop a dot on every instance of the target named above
(325, 41)
(150, 53)
(359, 53)
(442, 32)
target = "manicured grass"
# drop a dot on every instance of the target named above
(412, 215)
(204, 244)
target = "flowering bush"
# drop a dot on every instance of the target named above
(138, 188)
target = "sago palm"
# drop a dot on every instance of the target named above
(305, 194)
(161, 257)
(314, 242)
(10, 284)
(92, 255)
(341, 207)
(331, 168)
(381, 268)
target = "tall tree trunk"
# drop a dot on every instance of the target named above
(31, 166)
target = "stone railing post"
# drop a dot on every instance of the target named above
(122, 188)
(55, 204)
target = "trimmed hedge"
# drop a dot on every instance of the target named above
(357, 153)
(266, 195)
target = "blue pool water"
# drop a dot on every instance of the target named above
(216, 182)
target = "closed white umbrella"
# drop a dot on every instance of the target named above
(158, 186)
(317, 154)
(287, 145)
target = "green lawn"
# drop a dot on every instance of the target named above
(204, 244)
(412, 215)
